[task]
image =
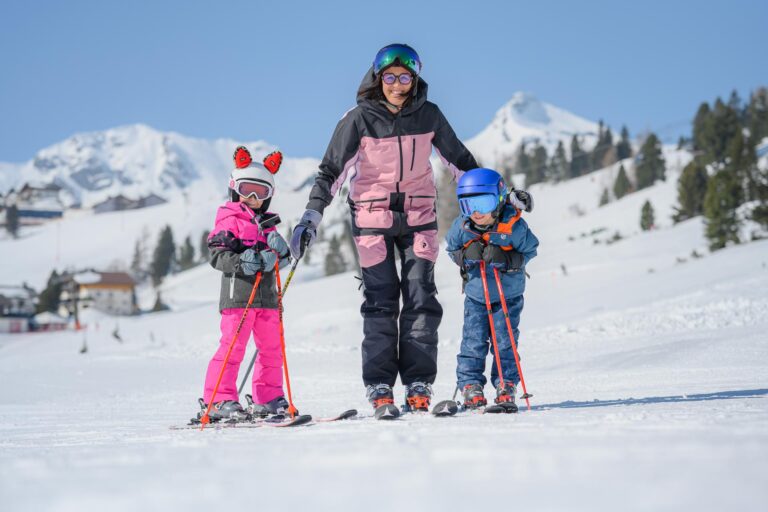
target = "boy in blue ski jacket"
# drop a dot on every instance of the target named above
(489, 234)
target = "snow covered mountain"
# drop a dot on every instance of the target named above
(134, 161)
(527, 119)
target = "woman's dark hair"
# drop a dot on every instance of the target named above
(374, 92)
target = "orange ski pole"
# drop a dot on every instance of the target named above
(511, 336)
(291, 408)
(490, 321)
(205, 418)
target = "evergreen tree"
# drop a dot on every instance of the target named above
(757, 114)
(523, 163)
(723, 197)
(723, 127)
(579, 158)
(558, 165)
(691, 188)
(537, 171)
(735, 104)
(652, 166)
(163, 256)
(621, 186)
(204, 254)
(50, 298)
(647, 220)
(702, 125)
(334, 261)
(187, 254)
(137, 261)
(624, 147)
(605, 198)
(12, 220)
(602, 148)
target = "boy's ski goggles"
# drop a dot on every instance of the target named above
(483, 203)
(391, 78)
(256, 189)
(389, 54)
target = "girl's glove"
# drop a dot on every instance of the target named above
(278, 245)
(251, 262)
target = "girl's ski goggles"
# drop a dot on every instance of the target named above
(483, 203)
(391, 78)
(389, 54)
(256, 189)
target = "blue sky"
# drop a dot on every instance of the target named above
(285, 71)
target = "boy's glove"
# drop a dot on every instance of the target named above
(305, 232)
(520, 199)
(278, 245)
(506, 261)
(472, 254)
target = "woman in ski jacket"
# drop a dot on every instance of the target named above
(384, 144)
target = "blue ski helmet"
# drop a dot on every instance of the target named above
(481, 190)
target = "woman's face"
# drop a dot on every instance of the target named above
(397, 93)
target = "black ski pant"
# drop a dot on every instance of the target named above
(399, 340)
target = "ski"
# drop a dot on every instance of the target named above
(217, 425)
(346, 415)
(386, 412)
(284, 421)
(445, 409)
(501, 408)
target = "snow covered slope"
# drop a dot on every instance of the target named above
(649, 369)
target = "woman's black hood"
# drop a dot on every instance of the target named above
(419, 91)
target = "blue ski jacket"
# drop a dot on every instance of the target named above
(511, 233)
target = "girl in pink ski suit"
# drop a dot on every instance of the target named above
(240, 249)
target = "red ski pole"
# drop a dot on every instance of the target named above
(291, 408)
(490, 321)
(205, 418)
(511, 336)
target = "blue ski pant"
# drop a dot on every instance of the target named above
(476, 342)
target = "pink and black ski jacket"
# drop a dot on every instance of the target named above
(387, 156)
(235, 231)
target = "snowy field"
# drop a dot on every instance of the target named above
(649, 371)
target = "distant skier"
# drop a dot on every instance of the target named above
(240, 248)
(386, 142)
(489, 232)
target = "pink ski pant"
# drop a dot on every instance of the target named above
(267, 379)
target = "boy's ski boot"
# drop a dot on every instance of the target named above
(505, 397)
(383, 401)
(276, 407)
(473, 396)
(418, 396)
(228, 411)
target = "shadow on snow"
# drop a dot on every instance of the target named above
(720, 395)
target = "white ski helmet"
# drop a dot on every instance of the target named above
(253, 179)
